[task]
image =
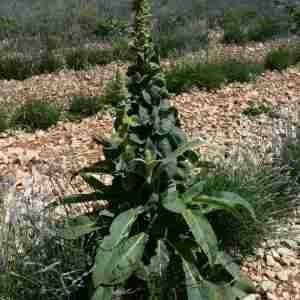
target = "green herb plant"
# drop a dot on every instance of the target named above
(153, 239)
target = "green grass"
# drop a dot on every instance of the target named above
(270, 189)
(279, 59)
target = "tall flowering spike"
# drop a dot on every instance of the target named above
(142, 42)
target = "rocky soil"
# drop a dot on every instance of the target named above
(50, 156)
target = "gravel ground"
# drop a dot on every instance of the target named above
(215, 116)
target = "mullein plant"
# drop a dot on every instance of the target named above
(154, 238)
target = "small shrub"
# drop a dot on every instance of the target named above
(256, 109)
(50, 62)
(186, 74)
(8, 27)
(279, 59)
(16, 66)
(35, 114)
(77, 58)
(85, 105)
(235, 22)
(264, 28)
(210, 76)
(241, 71)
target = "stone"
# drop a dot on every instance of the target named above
(284, 252)
(268, 285)
(283, 275)
(270, 260)
(270, 274)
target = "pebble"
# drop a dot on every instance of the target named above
(268, 285)
(283, 275)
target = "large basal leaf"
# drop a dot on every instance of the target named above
(193, 282)
(226, 201)
(199, 289)
(242, 282)
(120, 228)
(103, 293)
(117, 265)
(160, 261)
(202, 232)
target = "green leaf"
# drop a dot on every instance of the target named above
(227, 201)
(117, 265)
(120, 228)
(181, 150)
(146, 97)
(194, 282)
(202, 232)
(194, 191)
(242, 282)
(172, 202)
(103, 293)
(160, 261)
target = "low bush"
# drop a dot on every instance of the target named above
(256, 109)
(8, 27)
(50, 62)
(279, 59)
(35, 114)
(187, 74)
(85, 105)
(17, 66)
(241, 71)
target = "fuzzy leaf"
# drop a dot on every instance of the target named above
(160, 261)
(115, 266)
(202, 232)
(173, 202)
(242, 282)
(146, 97)
(120, 228)
(227, 201)
(103, 293)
